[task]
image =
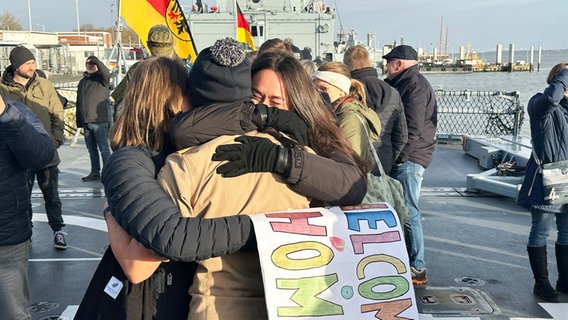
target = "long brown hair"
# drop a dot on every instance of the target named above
(275, 44)
(325, 136)
(357, 89)
(153, 96)
(556, 70)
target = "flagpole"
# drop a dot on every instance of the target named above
(236, 16)
(30, 24)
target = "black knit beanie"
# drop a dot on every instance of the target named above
(20, 55)
(221, 73)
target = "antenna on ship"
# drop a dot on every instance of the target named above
(441, 33)
(117, 47)
(341, 35)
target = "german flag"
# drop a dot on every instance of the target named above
(243, 29)
(141, 15)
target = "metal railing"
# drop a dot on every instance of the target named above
(490, 113)
(69, 91)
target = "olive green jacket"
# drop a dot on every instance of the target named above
(40, 96)
(353, 129)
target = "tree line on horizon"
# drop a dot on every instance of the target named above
(9, 22)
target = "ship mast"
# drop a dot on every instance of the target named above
(441, 34)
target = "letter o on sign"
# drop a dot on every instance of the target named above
(281, 257)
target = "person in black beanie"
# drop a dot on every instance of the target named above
(21, 83)
(221, 73)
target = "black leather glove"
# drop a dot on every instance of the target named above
(254, 154)
(285, 121)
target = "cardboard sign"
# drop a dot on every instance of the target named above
(322, 263)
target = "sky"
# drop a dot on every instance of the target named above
(481, 23)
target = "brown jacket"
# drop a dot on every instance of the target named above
(228, 287)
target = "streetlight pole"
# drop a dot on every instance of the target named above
(30, 23)
(77, 12)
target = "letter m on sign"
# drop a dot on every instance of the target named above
(307, 289)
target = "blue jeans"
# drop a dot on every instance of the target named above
(410, 175)
(14, 292)
(48, 182)
(541, 223)
(96, 137)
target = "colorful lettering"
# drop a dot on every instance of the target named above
(299, 223)
(353, 218)
(398, 265)
(358, 240)
(307, 289)
(281, 256)
(388, 310)
(400, 284)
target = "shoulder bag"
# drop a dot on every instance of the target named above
(554, 180)
(383, 188)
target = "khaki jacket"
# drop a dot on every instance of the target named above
(228, 287)
(40, 96)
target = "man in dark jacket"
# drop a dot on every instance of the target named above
(24, 145)
(93, 104)
(21, 83)
(386, 102)
(420, 109)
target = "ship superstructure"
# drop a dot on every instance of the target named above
(309, 24)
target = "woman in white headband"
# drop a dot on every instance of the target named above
(348, 102)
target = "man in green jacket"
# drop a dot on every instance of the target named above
(20, 82)
(161, 44)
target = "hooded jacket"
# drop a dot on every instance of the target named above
(24, 145)
(421, 112)
(40, 96)
(386, 102)
(548, 112)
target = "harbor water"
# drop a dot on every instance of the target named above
(526, 83)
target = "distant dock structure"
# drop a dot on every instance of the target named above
(469, 62)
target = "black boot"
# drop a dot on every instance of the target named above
(542, 287)
(562, 264)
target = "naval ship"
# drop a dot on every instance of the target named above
(309, 24)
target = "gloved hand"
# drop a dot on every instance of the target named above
(253, 154)
(286, 121)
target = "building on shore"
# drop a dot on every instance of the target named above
(56, 52)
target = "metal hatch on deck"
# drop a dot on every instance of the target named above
(457, 301)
